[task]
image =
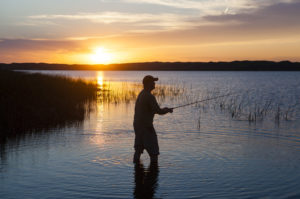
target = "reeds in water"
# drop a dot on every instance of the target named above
(245, 106)
(242, 106)
(31, 102)
(127, 92)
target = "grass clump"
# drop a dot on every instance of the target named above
(127, 92)
(31, 102)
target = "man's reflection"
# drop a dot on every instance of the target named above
(2, 152)
(146, 180)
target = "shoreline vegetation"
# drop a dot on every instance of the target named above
(164, 66)
(34, 102)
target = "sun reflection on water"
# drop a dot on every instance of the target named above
(100, 79)
(97, 123)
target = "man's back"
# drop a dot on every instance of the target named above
(145, 108)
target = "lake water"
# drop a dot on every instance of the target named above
(206, 151)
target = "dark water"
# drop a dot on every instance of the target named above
(205, 153)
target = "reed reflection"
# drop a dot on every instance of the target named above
(146, 180)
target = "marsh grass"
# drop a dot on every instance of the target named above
(127, 92)
(30, 102)
(249, 107)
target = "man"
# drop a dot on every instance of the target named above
(145, 108)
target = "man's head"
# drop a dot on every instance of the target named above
(149, 82)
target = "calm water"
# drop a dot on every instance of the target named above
(205, 153)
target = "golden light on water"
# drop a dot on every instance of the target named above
(101, 55)
(100, 79)
(98, 138)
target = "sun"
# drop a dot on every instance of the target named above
(101, 55)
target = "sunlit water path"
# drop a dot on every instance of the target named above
(205, 153)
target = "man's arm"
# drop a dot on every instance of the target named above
(166, 110)
(156, 109)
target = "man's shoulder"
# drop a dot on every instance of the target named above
(146, 94)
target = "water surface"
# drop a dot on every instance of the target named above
(205, 153)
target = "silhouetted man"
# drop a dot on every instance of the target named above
(145, 108)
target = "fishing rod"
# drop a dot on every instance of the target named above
(198, 101)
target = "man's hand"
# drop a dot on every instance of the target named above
(168, 110)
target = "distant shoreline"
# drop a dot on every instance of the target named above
(164, 66)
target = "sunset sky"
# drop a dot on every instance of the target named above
(118, 31)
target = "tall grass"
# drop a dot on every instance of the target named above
(248, 106)
(127, 92)
(31, 102)
(245, 105)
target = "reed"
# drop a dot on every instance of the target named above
(245, 107)
(127, 92)
(30, 102)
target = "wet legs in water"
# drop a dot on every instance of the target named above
(137, 156)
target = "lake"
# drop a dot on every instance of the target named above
(244, 145)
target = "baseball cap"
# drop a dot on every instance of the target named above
(149, 78)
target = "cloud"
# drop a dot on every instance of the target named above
(130, 22)
(208, 7)
(112, 17)
(254, 13)
(276, 16)
(204, 5)
(278, 23)
(38, 45)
